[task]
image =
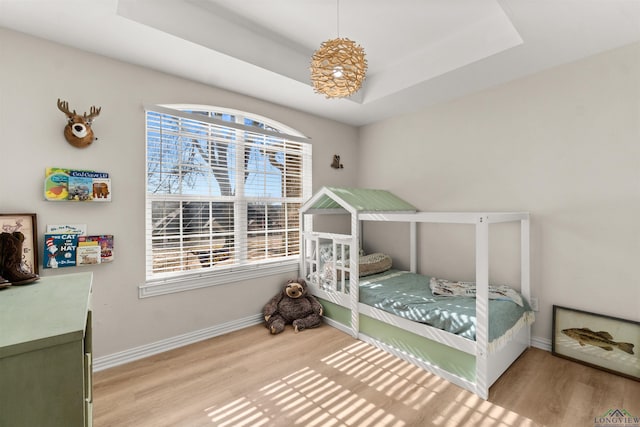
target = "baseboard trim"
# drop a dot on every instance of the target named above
(335, 324)
(126, 356)
(541, 343)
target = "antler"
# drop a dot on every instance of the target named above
(94, 112)
(64, 107)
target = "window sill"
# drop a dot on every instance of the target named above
(154, 288)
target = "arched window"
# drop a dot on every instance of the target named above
(223, 192)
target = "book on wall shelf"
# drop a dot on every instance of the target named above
(80, 229)
(60, 250)
(104, 242)
(88, 253)
(76, 185)
(69, 249)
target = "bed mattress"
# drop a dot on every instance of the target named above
(408, 295)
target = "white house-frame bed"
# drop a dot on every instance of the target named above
(472, 364)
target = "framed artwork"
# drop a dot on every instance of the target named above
(27, 225)
(596, 340)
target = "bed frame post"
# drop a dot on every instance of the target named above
(525, 260)
(354, 276)
(482, 307)
(413, 242)
(302, 272)
(525, 265)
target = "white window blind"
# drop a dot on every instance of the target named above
(223, 191)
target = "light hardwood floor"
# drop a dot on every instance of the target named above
(323, 377)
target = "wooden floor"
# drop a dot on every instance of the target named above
(323, 377)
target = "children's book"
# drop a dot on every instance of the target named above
(80, 188)
(77, 185)
(60, 250)
(104, 241)
(106, 247)
(101, 189)
(80, 229)
(56, 184)
(88, 253)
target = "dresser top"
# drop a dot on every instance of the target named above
(50, 311)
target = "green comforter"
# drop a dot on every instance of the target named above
(408, 295)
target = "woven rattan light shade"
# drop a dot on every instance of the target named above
(338, 68)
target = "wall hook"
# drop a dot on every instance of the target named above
(336, 162)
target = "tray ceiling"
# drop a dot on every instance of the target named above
(420, 52)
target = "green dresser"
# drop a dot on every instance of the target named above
(45, 353)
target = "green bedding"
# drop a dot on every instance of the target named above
(409, 296)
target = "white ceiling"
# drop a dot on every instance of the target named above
(420, 52)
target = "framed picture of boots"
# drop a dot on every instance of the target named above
(21, 231)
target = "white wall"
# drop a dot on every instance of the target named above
(564, 145)
(33, 75)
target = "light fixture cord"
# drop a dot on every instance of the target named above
(338, 17)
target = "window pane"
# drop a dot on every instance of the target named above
(273, 230)
(264, 179)
(261, 242)
(223, 248)
(168, 246)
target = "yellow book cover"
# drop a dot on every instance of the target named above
(56, 184)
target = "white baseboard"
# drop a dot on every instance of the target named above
(335, 324)
(126, 356)
(541, 343)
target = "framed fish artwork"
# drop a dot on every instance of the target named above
(604, 342)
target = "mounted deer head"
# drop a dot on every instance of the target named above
(78, 131)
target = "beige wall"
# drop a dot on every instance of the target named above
(33, 75)
(564, 145)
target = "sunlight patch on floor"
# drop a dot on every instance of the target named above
(317, 397)
(387, 374)
(305, 397)
(240, 412)
(469, 409)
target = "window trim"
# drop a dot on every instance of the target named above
(174, 111)
(189, 280)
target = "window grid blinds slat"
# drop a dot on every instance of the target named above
(220, 197)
